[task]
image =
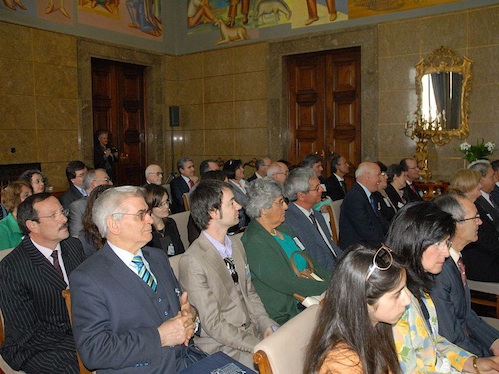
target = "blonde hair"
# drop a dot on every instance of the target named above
(465, 180)
(11, 195)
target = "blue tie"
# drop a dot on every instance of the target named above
(373, 204)
(145, 274)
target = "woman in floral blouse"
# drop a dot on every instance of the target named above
(420, 234)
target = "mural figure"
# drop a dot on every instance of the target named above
(50, 8)
(232, 13)
(143, 17)
(312, 11)
(197, 11)
(230, 34)
(12, 4)
(273, 6)
(103, 3)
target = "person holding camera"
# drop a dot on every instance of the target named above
(105, 155)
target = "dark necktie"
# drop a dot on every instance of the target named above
(56, 264)
(191, 183)
(314, 221)
(343, 186)
(413, 189)
(462, 270)
(373, 204)
(493, 202)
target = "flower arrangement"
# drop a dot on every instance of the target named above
(478, 151)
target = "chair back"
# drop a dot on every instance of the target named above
(5, 252)
(283, 352)
(174, 260)
(336, 205)
(66, 294)
(182, 219)
(185, 199)
(485, 287)
(332, 223)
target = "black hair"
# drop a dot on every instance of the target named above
(26, 210)
(72, 168)
(311, 160)
(206, 198)
(231, 166)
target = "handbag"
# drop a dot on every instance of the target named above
(309, 271)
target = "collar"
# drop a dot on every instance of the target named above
(455, 255)
(486, 196)
(224, 250)
(127, 257)
(340, 179)
(304, 211)
(186, 179)
(81, 190)
(47, 252)
(368, 193)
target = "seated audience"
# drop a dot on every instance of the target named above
(93, 178)
(482, 257)
(467, 182)
(12, 195)
(154, 175)
(353, 333)
(89, 236)
(495, 191)
(303, 190)
(235, 173)
(411, 191)
(182, 184)
(215, 273)
(271, 252)
(361, 221)
(336, 187)
(207, 165)
(420, 234)
(75, 173)
(383, 203)
(129, 314)
(262, 166)
(314, 162)
(278, 171)
(36, 179)
(165, 233)
(38, 334)
(397, 180)
(451, 295)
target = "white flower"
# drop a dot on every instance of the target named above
(490, 146)
(465, 146)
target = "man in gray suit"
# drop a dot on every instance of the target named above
(304, 190)
(215, 273)
(128, 309)
(456, 320)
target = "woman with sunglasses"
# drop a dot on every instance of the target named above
(165, 233)
(353, 333)
(420, 234)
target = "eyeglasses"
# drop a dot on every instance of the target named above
(444, 244)
(157, 173)
(282, 172)
(477, 217)
(106, 180)
(58, 214)
(161, 205)
(315, 189)
(229, 262)
(382, 260)
(281, 201)
(140, 214)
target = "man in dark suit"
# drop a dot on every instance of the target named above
(75, 173)
(38, 335)
(261, 166)
(361, 220)
(128, 309)
(335, 184)
(411, 192)
(495, 191)
(303, 189)
(456, 320)
(482, 257)
(182, 184)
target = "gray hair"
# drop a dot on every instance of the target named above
(298, 181)
(481, 166)
(363, 168)
(181, 163)
(110, 202)
(89, 178)
(262, 193)
(273, 168)
(450, 203)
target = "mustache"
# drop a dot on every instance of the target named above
(64, 226)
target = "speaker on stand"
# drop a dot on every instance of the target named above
(174, 122)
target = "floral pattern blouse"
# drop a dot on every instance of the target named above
(419, 347)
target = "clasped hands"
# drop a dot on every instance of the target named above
(179, 329)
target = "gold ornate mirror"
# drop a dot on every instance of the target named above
(443, 83)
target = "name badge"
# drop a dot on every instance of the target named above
(247, 271)
(400, 204)
(387, 203)
(298, 243)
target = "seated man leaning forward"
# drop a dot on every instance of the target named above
(215, 272)
(128, 309)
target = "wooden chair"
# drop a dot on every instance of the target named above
(485, 287)
(182, 219)
(332, 223)
(67, 298)
(174, 260)
(283, 352)
(185, 199)
(336, 205)
(4, 253)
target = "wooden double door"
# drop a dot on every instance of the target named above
(118, 100)
(324, 106)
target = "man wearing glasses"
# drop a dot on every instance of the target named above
(215, 273)
(38, 335)
(75, 173)
(154, 175)
(411, 191)
(279, 172)
(129, 312)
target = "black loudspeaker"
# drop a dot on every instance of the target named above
(174, 116)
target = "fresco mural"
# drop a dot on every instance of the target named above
(367, 8)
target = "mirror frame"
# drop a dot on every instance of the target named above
(445, 60)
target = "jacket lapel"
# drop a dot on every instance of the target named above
(43, 265)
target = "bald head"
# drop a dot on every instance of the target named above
(278, 171)
(368, 174)
(154, 174)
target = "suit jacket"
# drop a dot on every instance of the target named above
(384, 206)
(358, 222)
(410, 195)
(274, 279)
(71, 194)
(395, 197)
(252, 178)
(333, 188)
(76, 210)
(482, 257)
(171, 235)
(456, 320)
(178, 187)
(242, 199)
(491, 213)
(36, 318)
(495, 194)
(301, 226)
(116, 314)
(233, 318)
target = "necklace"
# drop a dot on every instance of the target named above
(273, 232)
(162, 232)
